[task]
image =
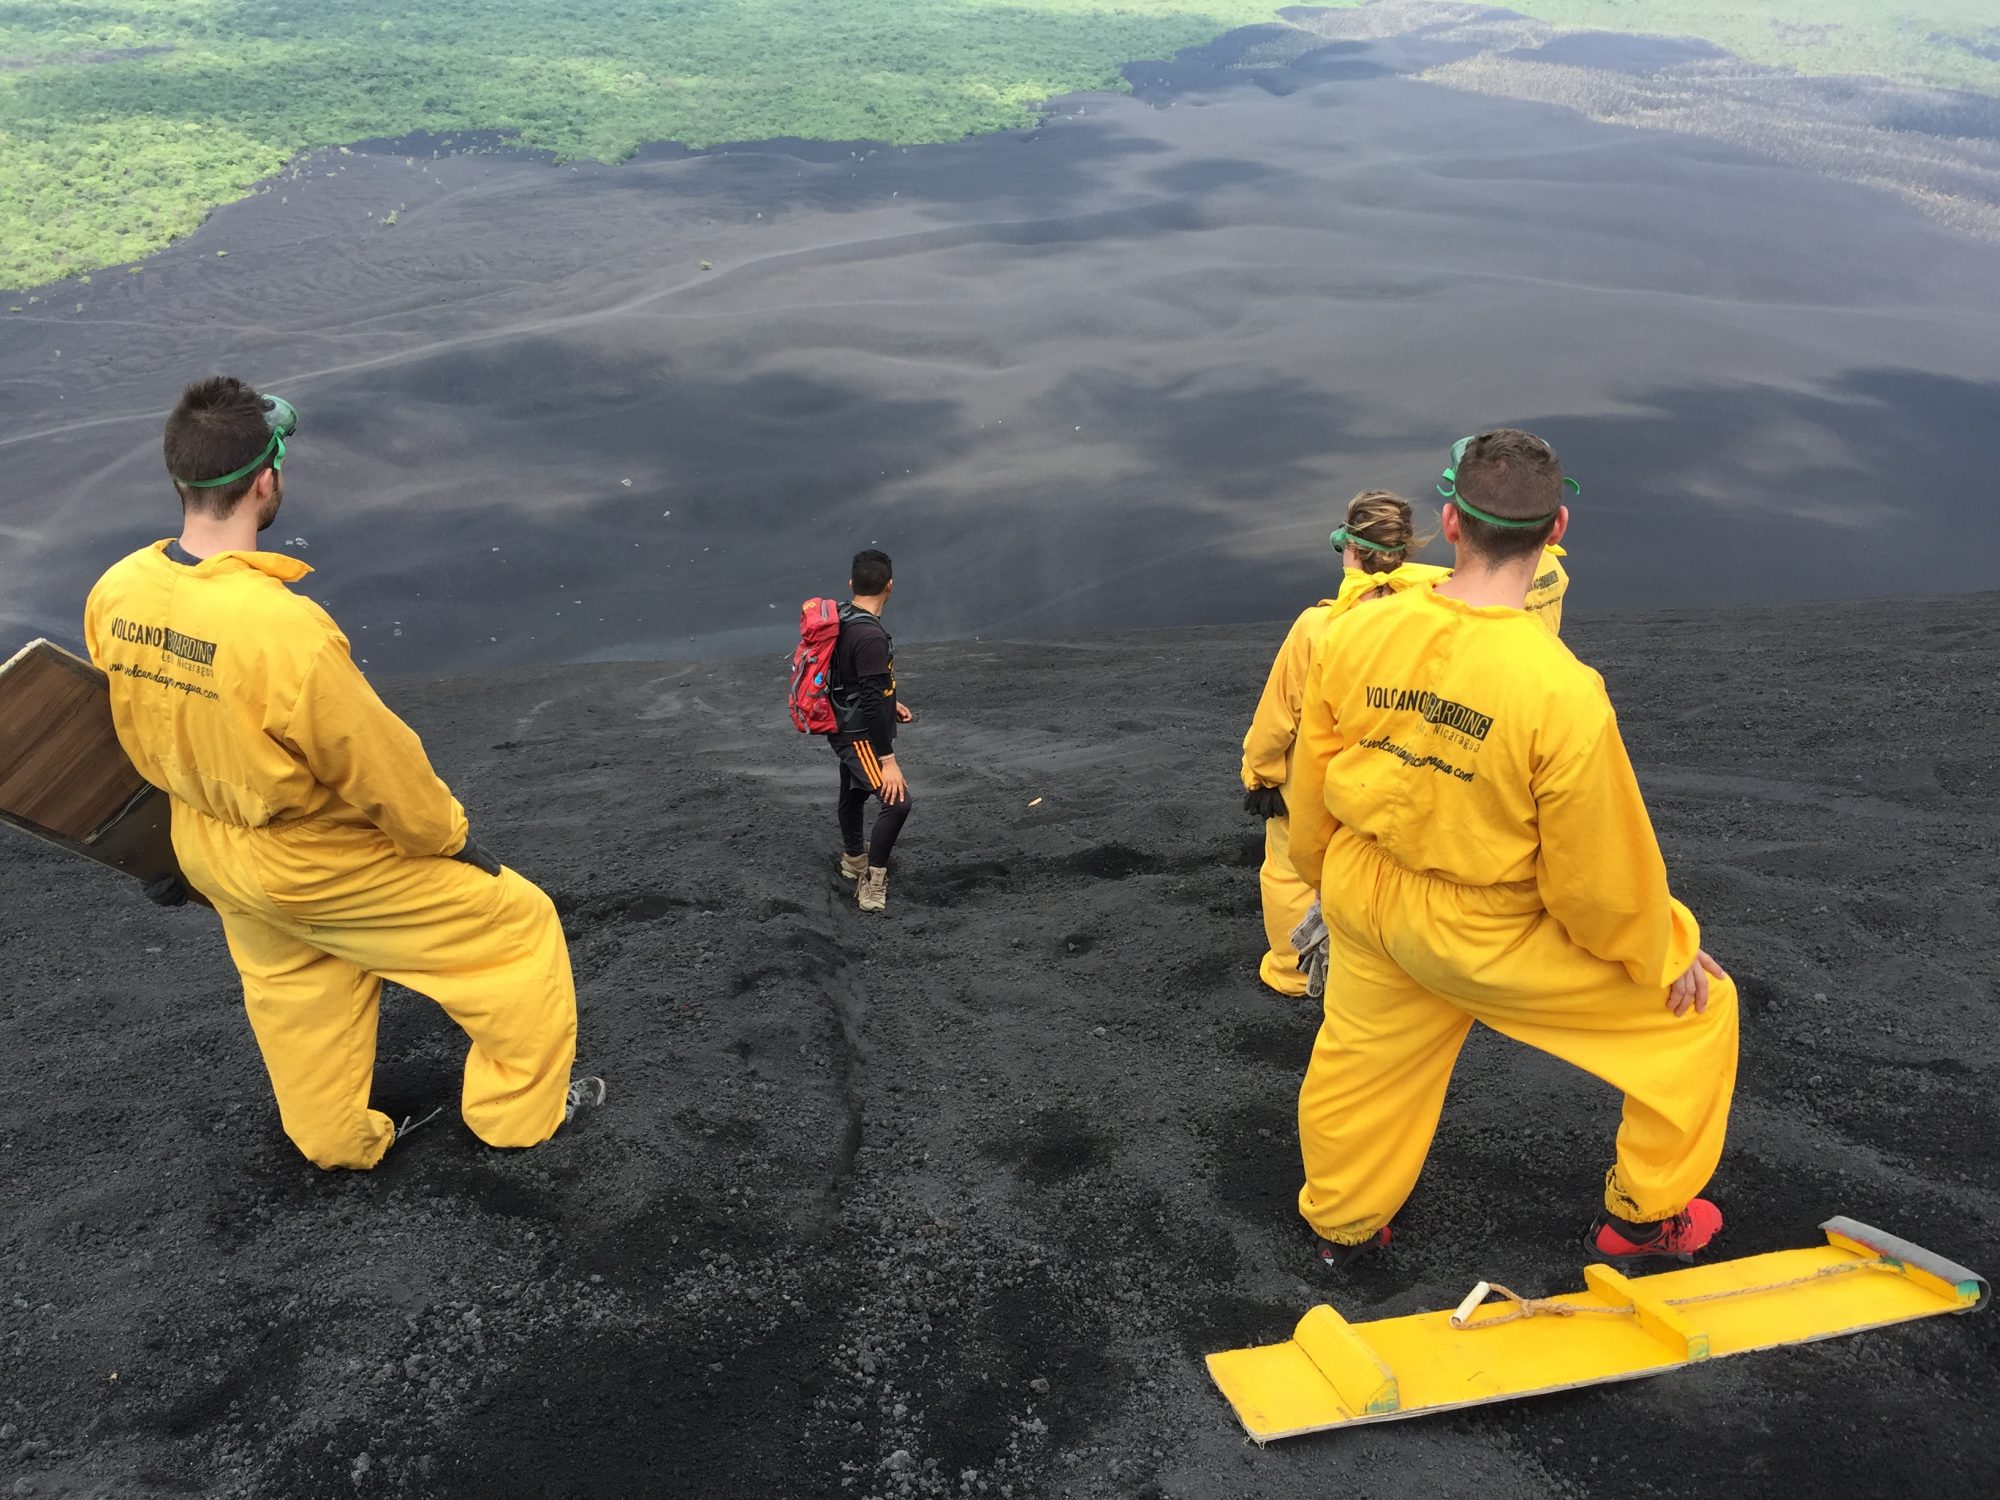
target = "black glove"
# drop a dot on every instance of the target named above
(477, 857)
(168, 890)
(1265, 802)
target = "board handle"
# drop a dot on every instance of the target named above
(1969, 1285)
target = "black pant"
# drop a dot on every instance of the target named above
(860, 779)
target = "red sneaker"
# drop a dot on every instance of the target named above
(1337, 1257)
(1677, 1238)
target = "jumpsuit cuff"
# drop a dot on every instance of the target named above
(1345, 1236)
(1619, 1204)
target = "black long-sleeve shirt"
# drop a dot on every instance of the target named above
(863, 686)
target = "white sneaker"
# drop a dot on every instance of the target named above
(584, 1093)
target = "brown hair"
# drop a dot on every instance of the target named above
(217, 426)
(1382, 517)
(1515, 476)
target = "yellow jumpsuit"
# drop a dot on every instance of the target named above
(1545, 594)
(1267, 761)
(310, 816)
(1467, 811)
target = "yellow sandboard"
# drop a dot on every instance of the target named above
(1331, 1373)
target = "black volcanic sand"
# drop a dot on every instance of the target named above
(1119, 371)
(952, 1202)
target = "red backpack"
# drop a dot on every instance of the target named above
(812, 664)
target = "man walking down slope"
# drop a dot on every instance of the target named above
(1466, 808)
(862, 689)
(309, 815)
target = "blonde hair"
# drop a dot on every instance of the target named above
(1382, 517)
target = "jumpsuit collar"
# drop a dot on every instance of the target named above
(1472, 611)
(275, 564)
(1406, 575)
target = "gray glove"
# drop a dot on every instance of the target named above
(477, 857)
(1313, 946)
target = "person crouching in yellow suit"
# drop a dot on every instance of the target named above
(1463, 802)
(310, 818)
(1374, 543)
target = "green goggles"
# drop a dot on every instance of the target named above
(1342, 539)
(1448, 487)
(283, 419)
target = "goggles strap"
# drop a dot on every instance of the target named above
(1477, 514)
(277, 461)
(1343, 536)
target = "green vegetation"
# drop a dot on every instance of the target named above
(1954, 44)
(123, 122)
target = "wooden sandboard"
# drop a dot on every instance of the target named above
(64, 777)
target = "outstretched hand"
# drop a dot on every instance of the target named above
(1691, 989)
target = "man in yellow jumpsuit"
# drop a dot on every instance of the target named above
(308, 815)
(1465, 806)
(1374, 543)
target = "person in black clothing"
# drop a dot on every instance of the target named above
(862, 687)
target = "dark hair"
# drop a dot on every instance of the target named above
(1515, 476)
(871, 572)
(217, 426)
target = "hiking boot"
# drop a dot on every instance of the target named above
(853, 866)
(1624, 1244)
(584, 1093)
(1337, 1257)
(872, 890)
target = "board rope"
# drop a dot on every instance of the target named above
(1536, 1307)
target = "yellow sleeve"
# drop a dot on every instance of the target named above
(1319, 741)
(1267, 747)
(1599, 869)
(1547, 600)
(370, 758)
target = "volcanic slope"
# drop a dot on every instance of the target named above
(952, 1202)
(1089, 377)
